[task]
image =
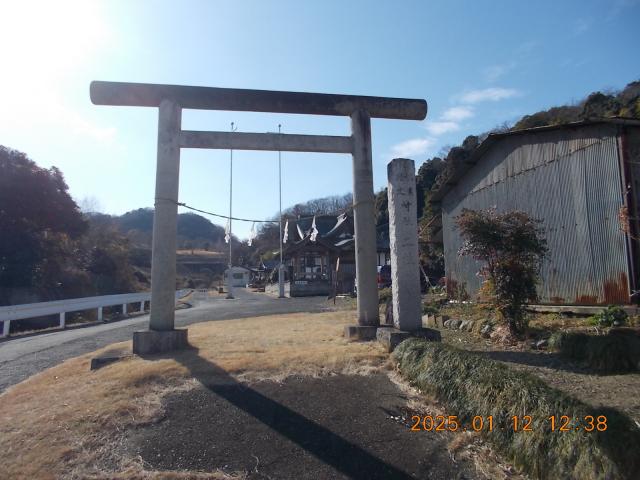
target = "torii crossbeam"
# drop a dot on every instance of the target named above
(171, 99)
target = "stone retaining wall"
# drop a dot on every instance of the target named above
(443, 321)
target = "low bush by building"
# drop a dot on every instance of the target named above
(511, 246)
(430, 309)
(612, 316)
(471, 385)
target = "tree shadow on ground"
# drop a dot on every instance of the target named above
(329, 447)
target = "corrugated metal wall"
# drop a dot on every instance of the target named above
(568, 178)
(630, 143)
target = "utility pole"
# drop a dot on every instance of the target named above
(281, 267)
(230, 276)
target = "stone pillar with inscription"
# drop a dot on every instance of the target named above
(405, 269)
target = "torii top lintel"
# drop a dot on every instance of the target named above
(233, 99)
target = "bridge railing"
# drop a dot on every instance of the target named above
(61, 307)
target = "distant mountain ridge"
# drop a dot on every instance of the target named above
(194, 231)
(190, 225)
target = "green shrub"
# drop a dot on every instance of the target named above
(602, 353)
(384, 295)
(437, 290)
(613, 315)
(430, 309)
(511, 246)
(472, 385)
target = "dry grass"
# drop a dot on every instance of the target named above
(65, 421)
(557, 321)
(481, 312)
(469, 311)
(462, 445)
(471, 385)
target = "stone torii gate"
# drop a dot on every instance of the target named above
(171, 99)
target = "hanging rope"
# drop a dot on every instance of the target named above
(227, 217)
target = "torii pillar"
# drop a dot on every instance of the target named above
(364, 221)
(171, 99)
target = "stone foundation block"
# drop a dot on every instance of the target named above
(429, 321)
(360, 332)
(156, 341)
(390, 338)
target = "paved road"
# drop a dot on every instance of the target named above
(22, 357)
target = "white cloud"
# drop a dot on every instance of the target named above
(439, 128)
(488, 94)
(494, 72)
(527, 47)
(580, 26)
(413, 147)
(449, 120)
(81, 126)
(457, 114)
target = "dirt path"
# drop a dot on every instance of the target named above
(335, 427)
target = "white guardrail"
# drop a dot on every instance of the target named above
(61, 307)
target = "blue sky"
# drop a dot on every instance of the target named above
(477, 63)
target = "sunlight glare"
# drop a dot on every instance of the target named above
(44, 46)
(47, 40)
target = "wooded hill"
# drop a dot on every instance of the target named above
(625, 103)
(50, 250)
(194, 231)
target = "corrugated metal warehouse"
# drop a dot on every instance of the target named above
(582, 180)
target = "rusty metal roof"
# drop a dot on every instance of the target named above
(439, 192)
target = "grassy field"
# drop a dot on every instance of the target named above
(66, 421)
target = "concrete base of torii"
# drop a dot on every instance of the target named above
(391, 337)
(147, 342)
(360, 332)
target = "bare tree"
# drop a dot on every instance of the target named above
(90, 204)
